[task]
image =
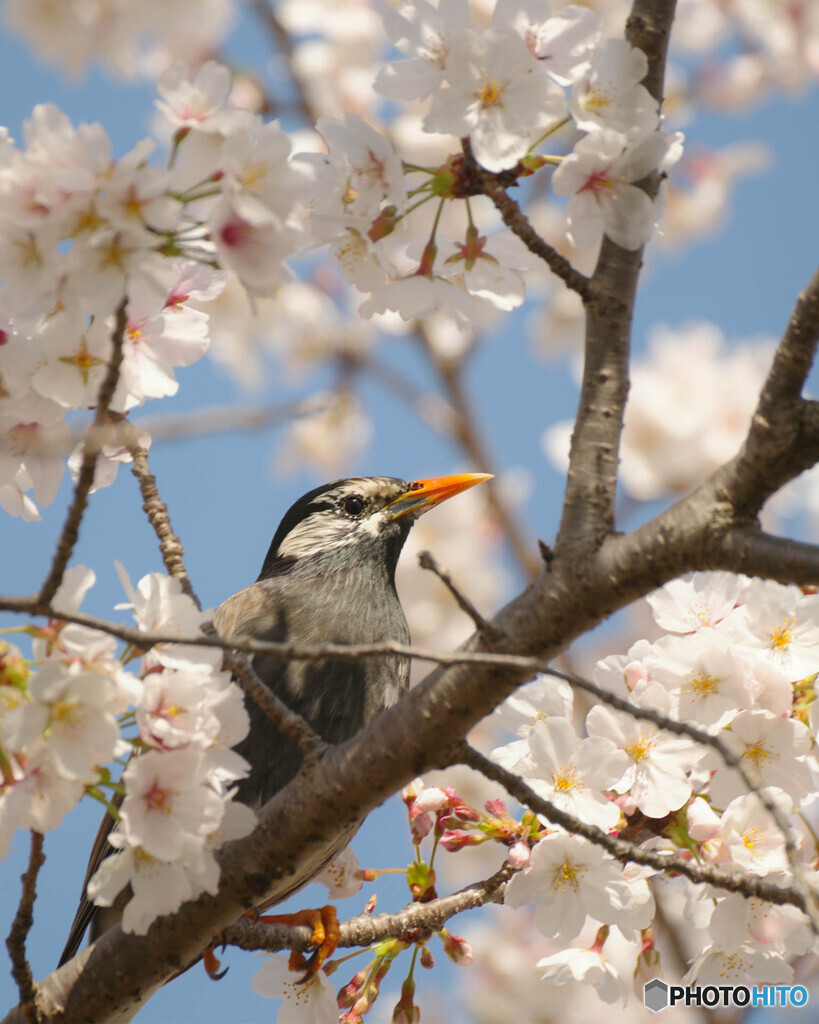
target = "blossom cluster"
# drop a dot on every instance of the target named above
(74, 707)
(84, 231)
(738, 661)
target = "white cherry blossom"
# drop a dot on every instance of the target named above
(257, 176)
(570, 878)
(304, 1001)
(771, 750)
(751, 836)
(200, 103)
(697, 601)
(168, 801)
(426, 34)
(588, 967)
(657, 776)
(498, 95)
(563, 43)
(780, 625)
(710, 681)
(598, 176)
(573, 773)
(610, 94)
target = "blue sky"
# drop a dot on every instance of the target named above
(225, 504)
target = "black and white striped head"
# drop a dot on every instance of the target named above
(355, 521)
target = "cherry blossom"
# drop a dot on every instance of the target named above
(715, 966)
(342, 876)
(656, 777)
(199, 103)
(751, 836)
(571, 878)
(573, 773)
(257, 177)
(254, 252)
(697, 601)
(158, 886)
(710, 681)
(168, 801)
(426, 33)
(771, 750)
(498, 95)
(780, 625)
(160, 605)
(598, 177)
(74, 712)
(610, 95)
(563, 43)
(310, 1000)
(588, 967)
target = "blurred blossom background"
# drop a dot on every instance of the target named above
(300, 389)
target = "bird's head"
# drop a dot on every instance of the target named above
(349, 522)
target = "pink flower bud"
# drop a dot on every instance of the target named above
(456, 948)
(519, 854)
(409, 794)
(420, 826)
(703, 823)
(633, 674)
(432, 799)
(497, 808)
(454, 840)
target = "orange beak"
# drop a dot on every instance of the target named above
(425, 494)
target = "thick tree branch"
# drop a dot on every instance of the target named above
(588, 509)
(747, 549)
(85, 478)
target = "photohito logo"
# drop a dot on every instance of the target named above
(657, 995)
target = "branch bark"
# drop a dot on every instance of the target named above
(85, 479)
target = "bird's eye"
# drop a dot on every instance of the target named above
(354, 505)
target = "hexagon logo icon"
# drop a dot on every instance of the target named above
(655, 995)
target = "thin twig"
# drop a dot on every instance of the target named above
(157, 512)
(415, 923)
(489, 632)
(290, 724)
(85, 478)
(746, 885)
(21, 926)
(517, 222)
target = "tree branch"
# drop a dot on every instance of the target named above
(588, 509)
(415, 923)
(288, 722)
(731, 881)
(484, 628)
(518, 223)
(157, 512)
(85, 478)
(21, 926)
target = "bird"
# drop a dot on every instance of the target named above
(328, 576)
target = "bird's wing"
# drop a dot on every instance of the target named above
(255, 611)
(86, 910)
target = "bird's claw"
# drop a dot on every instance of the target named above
(326, 934)
(213, 964)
